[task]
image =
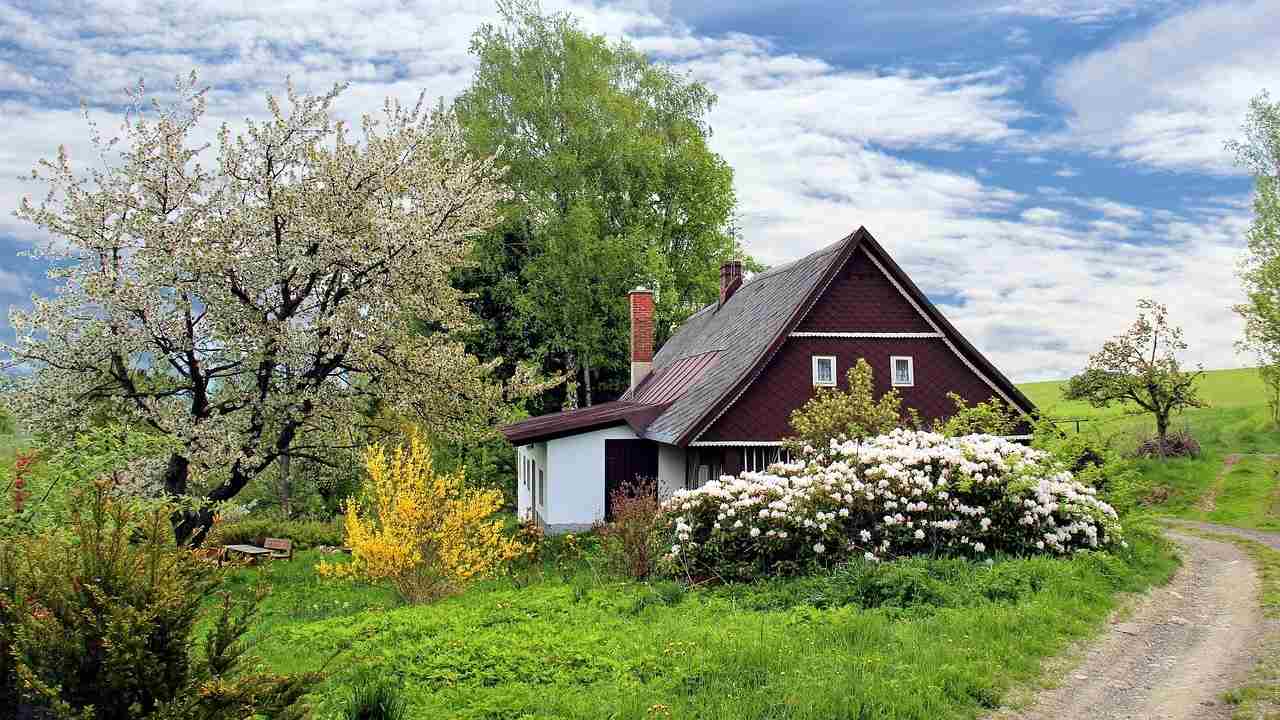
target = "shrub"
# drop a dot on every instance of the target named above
(1096, 460)
(836, 415)
(899, 494)
(420, 529)
(98, 622)
(375, 699)
(305, 534)
(627, 540)
(990, 417)
(1175, 443)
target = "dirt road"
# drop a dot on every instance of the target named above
(1177, 650)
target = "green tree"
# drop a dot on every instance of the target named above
(1140, 369)
(1260, 153)
(612, 186)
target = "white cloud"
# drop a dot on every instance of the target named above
(1042, 216)
(812, 145)
(1066, 172)
(1170, 97)
(1084, 12)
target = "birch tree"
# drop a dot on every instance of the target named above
(247, 297)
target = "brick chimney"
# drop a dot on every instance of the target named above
(641, 333)
(730, 279)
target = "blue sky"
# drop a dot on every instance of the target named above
(1036, 165)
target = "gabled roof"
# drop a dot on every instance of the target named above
(721, 349)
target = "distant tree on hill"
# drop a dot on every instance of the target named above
(249, 307)
(612, 185)
(1139, 369)
(1260, 153)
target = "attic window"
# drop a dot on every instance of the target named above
(903, 373)
(824, 370)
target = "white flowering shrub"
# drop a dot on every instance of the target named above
(904, 493)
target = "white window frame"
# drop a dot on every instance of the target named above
(542, 486)
(834, 371)
(893, 371)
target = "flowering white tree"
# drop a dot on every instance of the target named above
(249, 308)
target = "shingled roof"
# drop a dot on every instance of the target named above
(721, 349)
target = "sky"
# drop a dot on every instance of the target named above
(1037, 166)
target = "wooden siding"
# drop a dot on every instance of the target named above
(861, 299)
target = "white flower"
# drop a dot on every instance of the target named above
(979, 547)
(755, 532)
(919, 534)
(819, 548)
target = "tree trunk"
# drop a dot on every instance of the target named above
(286, 488)
(586, 379)
(1162, 425)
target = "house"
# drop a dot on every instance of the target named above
(717, 397)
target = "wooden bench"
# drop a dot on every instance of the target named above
(280, 548)
(252, 552)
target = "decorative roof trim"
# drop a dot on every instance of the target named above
(736, 443)
(902, 291)
(870, 335)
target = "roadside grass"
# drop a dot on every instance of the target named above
(921, 638)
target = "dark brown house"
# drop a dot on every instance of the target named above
(716, 398)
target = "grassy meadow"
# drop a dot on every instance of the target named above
(912, 639)
(1236, 422)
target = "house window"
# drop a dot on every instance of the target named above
(824, 370)
(758, 459)
(903, 373)
(542, 488)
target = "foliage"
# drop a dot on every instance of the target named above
(375, 699)
(1140, 367)
(892, 495)
(99, 623)
(834, 416)
(1260, 273)
(804, 646)
(251, 530)
(7, 425)
(421, 529)
(1271, 380)
(1101, 461)
(127, 461)
(1175, 443)
(612, 184)
(627, 539)
(989, 417)
(249, 308)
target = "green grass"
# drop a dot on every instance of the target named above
(951, 640)
(1237, 420)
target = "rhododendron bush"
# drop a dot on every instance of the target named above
(898, 494)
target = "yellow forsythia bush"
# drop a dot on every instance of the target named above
(420, 529)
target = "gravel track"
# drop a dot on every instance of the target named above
(1177, 648)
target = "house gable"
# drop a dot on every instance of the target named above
(869, 310)
(862, 299)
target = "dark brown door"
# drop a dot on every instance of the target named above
(625, 461)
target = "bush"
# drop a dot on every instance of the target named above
(420, 529)
(627, 540)
(1097, 461)
(98, 622)
(1175, 443)
(375, 699)
(305, 534)
(894, 495)
(990, 417)
(835, 416)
